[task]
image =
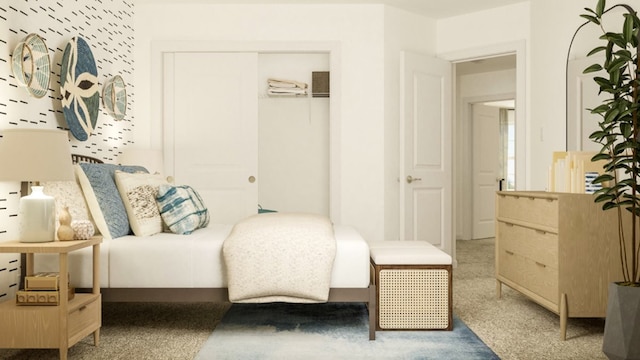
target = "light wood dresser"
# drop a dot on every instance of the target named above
(558, 249)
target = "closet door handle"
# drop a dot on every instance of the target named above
(252, 179)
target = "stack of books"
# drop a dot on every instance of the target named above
(42, 289)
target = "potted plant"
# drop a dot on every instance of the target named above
(619, 135)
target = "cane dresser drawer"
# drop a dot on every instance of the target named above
(534, 209)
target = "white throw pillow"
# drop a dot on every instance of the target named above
(138, 192)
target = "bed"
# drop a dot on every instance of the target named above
(170, 267)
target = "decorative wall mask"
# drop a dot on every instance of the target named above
(79, 88)
(31, 66)
(114, 97)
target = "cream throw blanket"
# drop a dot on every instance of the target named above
(280, 257)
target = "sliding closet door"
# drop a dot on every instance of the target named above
(211, 129)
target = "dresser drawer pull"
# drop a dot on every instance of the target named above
(541, 231)
(82, 308)
(541, 264)
(509, 252)
(508, 224)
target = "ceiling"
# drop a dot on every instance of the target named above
(436, 9)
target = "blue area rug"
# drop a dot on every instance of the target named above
(330, 331)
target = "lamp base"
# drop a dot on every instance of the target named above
(37, 217)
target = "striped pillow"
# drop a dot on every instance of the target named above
(182, 209)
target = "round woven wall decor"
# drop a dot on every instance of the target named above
(31, 66)
(79, 88)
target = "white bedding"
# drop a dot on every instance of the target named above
(280, 257)
(192, 261)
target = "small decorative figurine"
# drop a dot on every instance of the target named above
(65, 232)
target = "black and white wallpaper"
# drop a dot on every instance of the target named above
(107, 26)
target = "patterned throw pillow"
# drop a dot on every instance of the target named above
(138, 192)
(106, 206)
(182, 208)
(68, 194)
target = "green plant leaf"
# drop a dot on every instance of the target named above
(628, 28)
(600, 7)
(597, 50)
(592, 68)
(591, 18)
(603, 178)
(601, 156)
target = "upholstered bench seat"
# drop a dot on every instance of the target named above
(413, 280)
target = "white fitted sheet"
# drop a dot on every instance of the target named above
(193, 261)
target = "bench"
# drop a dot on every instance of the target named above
(413, 280)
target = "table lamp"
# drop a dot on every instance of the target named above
(34, 155)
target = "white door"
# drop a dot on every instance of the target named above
(426, 147)
(211, 129)
(486, 146)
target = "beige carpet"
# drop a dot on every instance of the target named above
(513, 327)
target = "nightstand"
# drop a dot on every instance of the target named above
(50, 327)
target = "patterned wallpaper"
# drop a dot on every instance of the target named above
(107, 25)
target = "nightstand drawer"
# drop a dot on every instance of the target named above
(537, 245)
(534, 210)
(86, 317)
(533, 276)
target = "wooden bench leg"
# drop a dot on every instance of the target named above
(373, 312)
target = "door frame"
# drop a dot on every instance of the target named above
(465, 157)
(332, 48)
(523, 157)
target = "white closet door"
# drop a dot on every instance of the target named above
(211, 129)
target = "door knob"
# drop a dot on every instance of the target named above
(411, 179)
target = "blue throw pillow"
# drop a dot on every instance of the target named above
(102, 180)
(182, 208)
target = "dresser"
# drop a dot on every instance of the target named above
(558, 249)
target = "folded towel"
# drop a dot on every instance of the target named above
(286, 91)
(282, 83)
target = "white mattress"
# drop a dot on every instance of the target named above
(185, 261)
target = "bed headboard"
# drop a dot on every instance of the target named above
(76, 158)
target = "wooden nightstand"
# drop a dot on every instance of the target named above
(50, 327)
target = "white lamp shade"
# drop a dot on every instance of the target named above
(35, 155)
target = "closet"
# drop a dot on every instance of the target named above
(238, 146)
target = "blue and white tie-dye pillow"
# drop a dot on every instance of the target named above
(182, 208)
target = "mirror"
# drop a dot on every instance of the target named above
(581, 90)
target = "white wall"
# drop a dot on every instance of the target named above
(106, 25)
(493, 32)
(547, 27)
(360, 32)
